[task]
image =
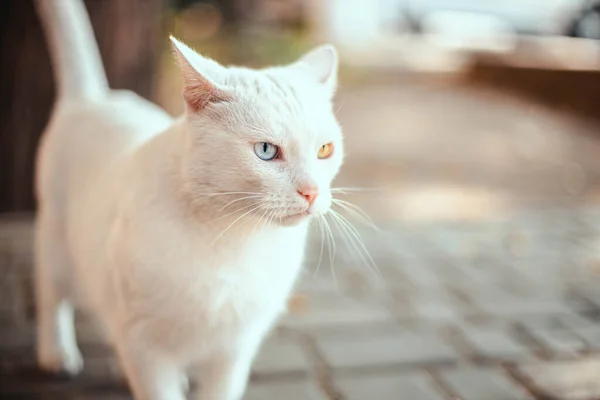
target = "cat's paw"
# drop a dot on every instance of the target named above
(63, 361)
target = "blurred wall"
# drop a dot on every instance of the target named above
(574, 91)
(353, 26)
(129, 34)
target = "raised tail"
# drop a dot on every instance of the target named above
(75, 56)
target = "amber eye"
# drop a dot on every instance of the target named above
(325, 151)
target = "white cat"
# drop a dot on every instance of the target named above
(183, 237)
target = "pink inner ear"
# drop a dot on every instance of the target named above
(199, 93)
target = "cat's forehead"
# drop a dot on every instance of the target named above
(281, 103)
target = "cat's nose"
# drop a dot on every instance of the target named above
(310, 193)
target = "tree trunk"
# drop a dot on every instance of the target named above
(129, 34)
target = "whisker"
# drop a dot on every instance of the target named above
(198, 197)
(233, 212)
(357, 240)
(225, 193)
(233, 223)
(346, 235)
(271, 217)
(356, 211)
(322, 247)
(262, 215)
(239, 199)
(346, 190)
(332, 251)
(340, 107)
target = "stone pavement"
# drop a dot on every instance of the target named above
(487, 254)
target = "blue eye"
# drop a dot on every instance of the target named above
(266, 151)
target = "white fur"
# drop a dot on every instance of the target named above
(133, 224)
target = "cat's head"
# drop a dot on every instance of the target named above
(262, 142)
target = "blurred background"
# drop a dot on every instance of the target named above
(473, 143)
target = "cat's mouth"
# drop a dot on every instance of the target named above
(295, 217)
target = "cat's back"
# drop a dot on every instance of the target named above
(85, 138)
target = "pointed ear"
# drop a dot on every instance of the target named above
(321, 65)
(200, 77)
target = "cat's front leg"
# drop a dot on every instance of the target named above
(225, 375)
(151, 375)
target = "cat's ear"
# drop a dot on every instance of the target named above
(321, 65)
(200, 78)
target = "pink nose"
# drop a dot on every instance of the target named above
(309, 193)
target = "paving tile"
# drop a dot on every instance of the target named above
(494, 342)
(591, 336)
(361, 330)
(388, 386)
(479, 271)
(438, 304)
(566, 380)
(556, 332)
(560, 341)
(448, 272)
(313, 281)
(281, 356)
(405, 348)
(16, 241)
(483, 384)
(584, 297)
(16, 337)
(497, 302)
(278, 390)
(418, 274)
(455, 242)
(331, 310)
(574, 320)
(547, 270)
(392, 275)
(406, 245)
(13, 297)
(369, 284)
(104, 368)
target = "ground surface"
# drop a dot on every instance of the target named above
(487, 253)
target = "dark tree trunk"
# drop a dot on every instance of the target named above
(129, 34)
(231, 15)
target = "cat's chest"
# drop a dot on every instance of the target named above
(242, 282)
(260, 275)
(207, 297)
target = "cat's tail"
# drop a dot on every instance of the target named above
(74, 52)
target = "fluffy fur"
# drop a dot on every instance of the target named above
(173, 233)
